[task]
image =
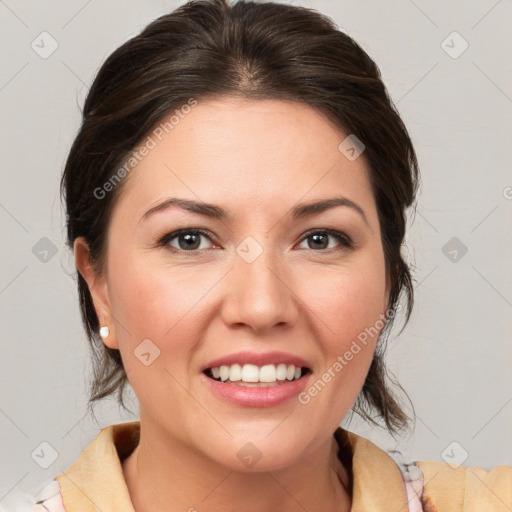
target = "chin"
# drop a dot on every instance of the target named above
(257, 454)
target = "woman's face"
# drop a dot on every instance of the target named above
(258, 281)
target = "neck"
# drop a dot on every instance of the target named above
(162, 474)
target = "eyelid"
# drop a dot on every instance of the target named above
(343, 238)
(164, 240)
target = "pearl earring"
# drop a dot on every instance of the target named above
(104, 331)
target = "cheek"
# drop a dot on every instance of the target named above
(346, 301)
(155, 304)
(167, 304)
(151, 301)
(347, 308)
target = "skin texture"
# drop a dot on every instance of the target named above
(257, 160)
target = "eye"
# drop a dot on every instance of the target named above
(321, 237)
(187, 240)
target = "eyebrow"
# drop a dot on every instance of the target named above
(300, 211)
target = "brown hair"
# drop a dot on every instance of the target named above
(264, 50)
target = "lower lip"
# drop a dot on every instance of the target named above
(257, 397)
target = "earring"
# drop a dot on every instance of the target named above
(104, 331)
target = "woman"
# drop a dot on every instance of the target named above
(236, 202)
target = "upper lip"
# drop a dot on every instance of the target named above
(258, 359)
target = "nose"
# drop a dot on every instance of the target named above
(260, 294)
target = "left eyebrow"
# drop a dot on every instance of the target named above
(303, 210)
(299, 211)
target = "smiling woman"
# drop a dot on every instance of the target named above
(236, 201)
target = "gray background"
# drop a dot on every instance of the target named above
(453, 358)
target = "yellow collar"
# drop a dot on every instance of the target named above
(96, 480)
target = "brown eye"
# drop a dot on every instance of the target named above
(187, 240)
(320, 239)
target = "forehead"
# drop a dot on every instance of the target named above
(253, 154)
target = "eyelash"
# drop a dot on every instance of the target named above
(345, 241)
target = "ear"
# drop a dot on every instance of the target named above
(98, 288)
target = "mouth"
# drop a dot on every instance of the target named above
(250, 375)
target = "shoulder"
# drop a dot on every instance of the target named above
(47, 499)
(453, 488)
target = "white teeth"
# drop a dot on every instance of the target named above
(250, 373)
(235, 373)
(281, 371)
(253, 373)
(224, 373)
(268, 373)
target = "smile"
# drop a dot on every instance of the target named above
(253, 375)
(256, 393)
